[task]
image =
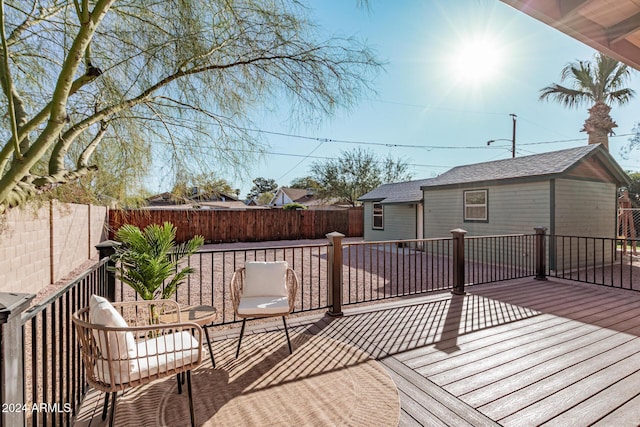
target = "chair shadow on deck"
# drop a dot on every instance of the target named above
(266, 376)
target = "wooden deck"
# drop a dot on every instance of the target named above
(516, 353)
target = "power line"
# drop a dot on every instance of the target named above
(300, 162)
(427, 147)
(275, 153)
(391, 145)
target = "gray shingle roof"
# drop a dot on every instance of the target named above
(397, 192)
(545, 164)
(555, 162)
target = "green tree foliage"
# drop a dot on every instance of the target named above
(634, 189)
(305, 183)
(355, 173)
(174, 80)
(149, 260)
(294, 206)
(262, 186)
(634, 142)
(206, 183)
(599, 83)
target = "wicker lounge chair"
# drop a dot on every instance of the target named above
(120, 354)
(263, 289)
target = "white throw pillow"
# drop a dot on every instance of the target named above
(265, 279)
(122, 345)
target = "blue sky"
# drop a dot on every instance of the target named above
(423, 98)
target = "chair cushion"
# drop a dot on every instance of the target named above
(155, 356)
(121, 345)
(263, 306)
(265, 279)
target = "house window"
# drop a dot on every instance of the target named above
(476, 206)
(378, 216)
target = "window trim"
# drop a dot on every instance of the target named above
(380, 215)
(485, 205)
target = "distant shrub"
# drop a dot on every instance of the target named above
(293, 206)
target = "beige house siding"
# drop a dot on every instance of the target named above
(585, 208)
(399, 222)
(513, 209)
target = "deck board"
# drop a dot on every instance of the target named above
(478, 388)
(624, 416)
(433, 399)
(515, 353)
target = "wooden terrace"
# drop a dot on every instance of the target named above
(522, 352)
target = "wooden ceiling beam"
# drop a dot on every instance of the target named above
(563, 15)
(623, 29)
(569, 8)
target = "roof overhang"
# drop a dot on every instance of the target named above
(611, 27)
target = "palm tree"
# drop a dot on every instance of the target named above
(599, 81)
(150, 259)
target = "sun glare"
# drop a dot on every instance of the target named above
(477, 60)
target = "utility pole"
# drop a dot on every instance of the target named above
(513, 137)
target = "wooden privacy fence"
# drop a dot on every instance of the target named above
(253, 225)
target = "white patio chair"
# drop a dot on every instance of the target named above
(263, 289)
(119, 355)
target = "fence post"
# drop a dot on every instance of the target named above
(334, 255)
(541, 253)
(106, 249)
(12, 357)
(458, 261)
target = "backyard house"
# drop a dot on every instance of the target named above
(571, 192)
(394, 211)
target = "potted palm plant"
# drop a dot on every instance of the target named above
(149, 260)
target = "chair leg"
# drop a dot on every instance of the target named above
(179, 379)
(191, 410)
(113, 408)
(206, 332)
(106, 405)
(241, 334)
(286, 331)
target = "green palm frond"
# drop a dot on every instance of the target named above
(599, 80)
(563, 95)
(149, 259)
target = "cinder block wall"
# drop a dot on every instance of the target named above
(40, 246)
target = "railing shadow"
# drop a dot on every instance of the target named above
(596, 305)
(440, 322)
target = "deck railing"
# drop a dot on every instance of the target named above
(52, 371)
(600, 261)
(373, 271)
(332, 275)
(387, 269)
(209, 285)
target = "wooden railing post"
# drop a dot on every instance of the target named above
(12, 357)
(334, 256)
(106, 249)
(541, 253)
(458, 261)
